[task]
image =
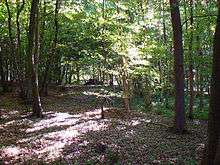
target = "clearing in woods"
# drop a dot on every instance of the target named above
(72, 132)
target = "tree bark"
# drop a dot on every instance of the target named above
(52, 52)
(33, 53)
(178, 67)
(77, 73)
(15, 48)
(2, 73)
(191, 75)
(125, 83)
(212, 156)
(18, 49)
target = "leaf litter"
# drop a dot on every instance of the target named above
(72, 132)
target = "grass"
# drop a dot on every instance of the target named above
(166, 109)
(137, 103)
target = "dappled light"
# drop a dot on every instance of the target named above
(109, 82)
(50, 135)
(102, 93)
(47, 139)
(78, 135)
(8, 114)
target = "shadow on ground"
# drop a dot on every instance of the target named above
(72, 132)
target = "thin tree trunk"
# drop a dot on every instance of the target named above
(77, 73)
(70, 75)
(126, 91)
(52, 52)
(111, 80)
(2, 74)
(104, 53)
(11, 43)
(125, 83)
(66, 75)
(15, 48)
(61, 79)
(18, 49)
(164, 25)
(165, 44)
(191, 75)
(201, 93)
(178, 67)
(199, 77)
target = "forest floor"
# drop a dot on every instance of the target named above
(72, 132)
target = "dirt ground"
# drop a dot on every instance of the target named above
(72, 132)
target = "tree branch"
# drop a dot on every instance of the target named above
(199, 16)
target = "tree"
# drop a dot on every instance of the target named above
(33, 53)
(18, 47)
(178, 67)
(212, 156)
(124, 72)
(191, 76)
(53, 51)
(2, 72)
(15, 47)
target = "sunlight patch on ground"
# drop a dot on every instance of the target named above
(64, 119)
(124, 124)
(52, 144)
(102, 93)
(48, 137)
(134, 122)
(60, 130)
(12, 152)
(5, 114)
(52, 120)
(68, 93)
(17, 122)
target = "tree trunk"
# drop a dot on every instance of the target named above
(178, 67)
(61, 79)
(33, 52)
(52, 52)
(15, 48)
(147, 95)
(191, 75)
(70, 75)
(2, 73)
(11, 43)
(66, 75)
(212, 156)
(199, 77)
(126, 91)
(201, 94)
(77, 73)
(18, 49)
(125, 81)
(111, 80)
